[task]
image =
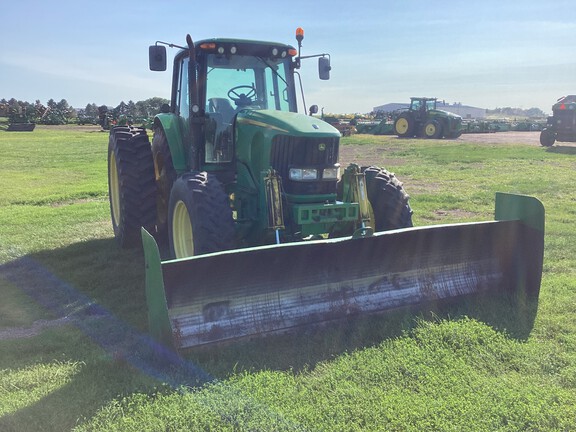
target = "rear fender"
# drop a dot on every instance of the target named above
(171, 124)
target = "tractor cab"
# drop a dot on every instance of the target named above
(232, 76)
(420, 106)
(216, 79)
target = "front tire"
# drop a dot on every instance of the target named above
(200, 217)
(547, 137)
(131, 186)
(432, 129)
(388, 199)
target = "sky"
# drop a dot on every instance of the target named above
(488, 54)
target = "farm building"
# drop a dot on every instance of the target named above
(464, 111)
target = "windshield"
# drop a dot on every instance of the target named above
(239, 81)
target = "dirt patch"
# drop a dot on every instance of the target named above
(512, 137)
(379, 152)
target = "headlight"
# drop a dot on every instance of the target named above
(302, 174)
(331, 173)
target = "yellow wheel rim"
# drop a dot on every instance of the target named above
(430, 130)
(402, 126)
(182, 236)
(114, 190)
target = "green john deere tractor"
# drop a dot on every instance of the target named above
(264, 231)
(422, 118)
(232, 164)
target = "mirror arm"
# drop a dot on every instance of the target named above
(315, 55)
(170, 45)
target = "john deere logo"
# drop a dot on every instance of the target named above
(321, 147)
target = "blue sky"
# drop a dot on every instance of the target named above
(481, 53)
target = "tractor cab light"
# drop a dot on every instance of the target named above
(208, 46)
(562, 107)
(292, 52)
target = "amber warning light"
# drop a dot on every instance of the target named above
(299, 34)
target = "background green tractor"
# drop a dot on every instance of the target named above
(232, 164)
(561, 126)
(423, 119)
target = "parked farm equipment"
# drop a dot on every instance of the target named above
(561, 126)
(264, 231)
(344, 127)
(19, 121)
(422, 118)
(21, 127)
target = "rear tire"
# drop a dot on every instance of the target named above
(165, 175)
(131, 186)
(404, 126)
(200, 217)
(547, 137)
(388, 199)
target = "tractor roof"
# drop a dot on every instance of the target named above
(246, 47)
(423, 98)
(565, 102)
(242, 42)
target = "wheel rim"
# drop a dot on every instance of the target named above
(182, 236)
(402, 126)
(430, 130)
(114, 190)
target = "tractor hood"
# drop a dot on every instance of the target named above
(444, 113)
(286, 122)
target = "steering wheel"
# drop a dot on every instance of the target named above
(242, 99)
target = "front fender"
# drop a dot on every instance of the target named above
(171, 125)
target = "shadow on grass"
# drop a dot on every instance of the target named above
(100, 378)
(100, 289)
(568, 150)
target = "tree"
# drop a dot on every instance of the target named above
(58, 113)
(150, 107)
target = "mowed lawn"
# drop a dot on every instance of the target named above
(74, 354)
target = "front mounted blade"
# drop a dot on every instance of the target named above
(246, 292)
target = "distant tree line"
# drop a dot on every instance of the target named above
(59, 113)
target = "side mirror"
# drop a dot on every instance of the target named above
(324, 68)
(313, 109)
(157, 58)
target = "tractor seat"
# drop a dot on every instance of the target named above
(222, 106)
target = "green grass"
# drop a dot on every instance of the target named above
(404, 371)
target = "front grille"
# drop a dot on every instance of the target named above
(289, 152)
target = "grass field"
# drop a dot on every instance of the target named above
(73, 315)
